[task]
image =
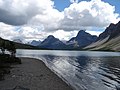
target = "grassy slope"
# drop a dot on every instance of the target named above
(111, 45)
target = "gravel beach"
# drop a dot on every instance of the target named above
(32, 74)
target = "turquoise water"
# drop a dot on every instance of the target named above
(83, 70)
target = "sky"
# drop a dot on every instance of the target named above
(36, 19)
(61, 4)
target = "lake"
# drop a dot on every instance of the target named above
(83, 70)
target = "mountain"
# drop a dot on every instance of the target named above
(35, 43)
(112, 31)
(17, 41)
(82, 39)
(108, 40)
(52, 43)
(4, 42)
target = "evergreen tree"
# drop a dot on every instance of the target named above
(11, 48)
(2, 46)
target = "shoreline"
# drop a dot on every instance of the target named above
(32, 74)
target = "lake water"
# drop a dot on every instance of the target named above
(83, 70)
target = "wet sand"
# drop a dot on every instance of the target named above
(32, 74)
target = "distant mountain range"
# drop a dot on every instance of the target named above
(35, 43)
(17, 41)
(109, 40)
(18, 45)
(81, 40)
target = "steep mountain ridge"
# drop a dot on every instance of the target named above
(112, 31)
(108, 40)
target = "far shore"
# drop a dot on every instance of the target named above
(32, 74)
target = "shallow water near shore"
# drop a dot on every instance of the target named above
(83, 70)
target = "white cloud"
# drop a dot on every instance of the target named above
(74, 1)
(77, 16)
(24, 33)
(39, 18)
(27, 33)
(19, 12)
(50, 20)
(94, 32)
(95, 13)
(7, 31)
(63, 35)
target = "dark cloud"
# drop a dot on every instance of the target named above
(10, 18)
(19, 12)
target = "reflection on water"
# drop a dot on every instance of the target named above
(83, 70)
(111, 75)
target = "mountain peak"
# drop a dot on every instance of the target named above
(82, 30)
(52, 43)
(35, 43)
(50, 36)
(118, 25)
(50, 39)
(111, 25)
(17, 40)
(82, 33)
(83, 38)
(118, 22)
